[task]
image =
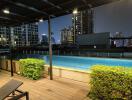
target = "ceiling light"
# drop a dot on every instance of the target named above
(75, 11)
(6, 11)
(41, 20)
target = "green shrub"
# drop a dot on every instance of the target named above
(111, 83)
(31, 68)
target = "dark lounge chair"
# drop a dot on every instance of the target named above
(10, 89)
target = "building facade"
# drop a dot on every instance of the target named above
(23, 35)
(67, 35)
(32, 38)
(83, 22)
(4, 36)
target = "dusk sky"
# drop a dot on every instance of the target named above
(57, 24)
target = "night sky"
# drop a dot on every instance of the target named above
(113, 17)
(57, 24)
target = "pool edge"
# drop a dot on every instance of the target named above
(77, 75)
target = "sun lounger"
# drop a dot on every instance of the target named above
(10, 89)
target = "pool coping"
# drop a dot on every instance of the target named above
(94, 57)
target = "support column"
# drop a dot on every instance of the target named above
(74, 36)
(26, 29)
(50, 48)
(11, 53)
(11, 58)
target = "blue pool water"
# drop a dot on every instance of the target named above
(84, 63)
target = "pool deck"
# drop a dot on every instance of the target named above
(45, 89)
(70, 73)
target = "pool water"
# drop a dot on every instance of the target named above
(84, 63)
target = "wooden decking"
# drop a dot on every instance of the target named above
(45, 89)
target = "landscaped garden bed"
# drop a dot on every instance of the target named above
(32, 68)
(111, 83)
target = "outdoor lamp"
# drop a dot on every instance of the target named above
(6, 11)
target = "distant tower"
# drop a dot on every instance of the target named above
(67, 35)
(44, 40)
(83, 22)
(53, 40)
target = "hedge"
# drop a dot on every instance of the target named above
(111, 83)
(31, 68)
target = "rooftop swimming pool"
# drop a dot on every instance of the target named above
(84, 63)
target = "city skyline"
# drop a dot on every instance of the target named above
(57, 24)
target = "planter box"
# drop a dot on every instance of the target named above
(4, 64)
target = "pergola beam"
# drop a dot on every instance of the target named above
(84, 1)
(65, 3)
(12, 17)
(52, 4)
(6, 20)
(16, 14)
(2, 17)
(27, 7)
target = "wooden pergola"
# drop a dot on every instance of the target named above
(30, 11)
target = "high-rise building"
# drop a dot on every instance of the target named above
(4, 36)
(83, 22)
(18, 36)
(44, 40)
(32, 30)
(67, 35)
(23, 35)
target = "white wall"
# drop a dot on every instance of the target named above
(114, 17)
